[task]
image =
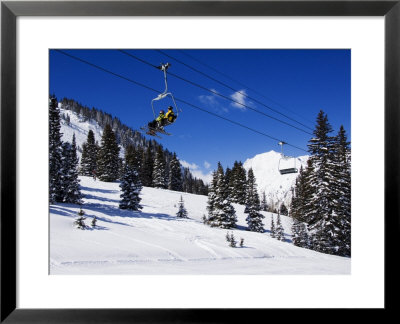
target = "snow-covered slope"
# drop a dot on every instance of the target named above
(79, 127)
(155, 241)
(277, 187)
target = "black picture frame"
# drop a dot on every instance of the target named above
(10, 10)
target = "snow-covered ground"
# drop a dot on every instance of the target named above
(155, 241)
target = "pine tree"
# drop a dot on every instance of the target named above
(146, 174)
(264, 205)
(283, 210)
(175, 175)
(321, 149)
(80, 220)
(182, 212)
(55, 153)
(159, 176)
(133, 157)
(238, 183)
(108, 156)
(272, 230)
(322, 197)
(130, 185)
(211, 201)
(341, 216)
(89, 156)
(229, 178)
(232, 241)
(279, 232)
(302, 205)
(332, 232)
(188, 181)
(69, 170)
(299, 234)
(221, 212)
(321, 206)
(94, 222)
(254, 218)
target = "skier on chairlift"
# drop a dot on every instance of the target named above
(157, 123)
(162, 120)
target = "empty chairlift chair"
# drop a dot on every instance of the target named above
(287, 164)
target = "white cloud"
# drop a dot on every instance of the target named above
(196, 172)
(207, 165)
(240, 98)
(191, 166)
(206, 177)
(208, 100)
(211, 101)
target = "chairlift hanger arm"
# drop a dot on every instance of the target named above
(164, 67)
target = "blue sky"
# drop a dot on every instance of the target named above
(295, 83)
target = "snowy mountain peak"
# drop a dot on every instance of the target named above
(277, 187)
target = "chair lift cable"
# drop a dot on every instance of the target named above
(235, 90)
(179, 100)
(217, 93)
(249, 88)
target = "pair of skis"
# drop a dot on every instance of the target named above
(153, 131)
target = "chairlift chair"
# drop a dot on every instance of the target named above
(290, 166)
(164, 67)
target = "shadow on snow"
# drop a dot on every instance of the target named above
(92, 210)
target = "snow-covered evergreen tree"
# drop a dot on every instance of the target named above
(80, 220)
(342, 194)
(89, 156)
(159, 175)
(182, 212)
(299, 234)
(264, 204)
(69, 169)
(326, 226)
(187, 182)
(232, 241)
(133, 157)
(229, 180)
(55, 153)
(146, 174)
(322, 195)
(283, 210)
(108, 156)
(342, 206)
(94, 222)
(211, 219)
(175, 175)
(279, 232)
(254, 218)
(239, 183)
(221, 212)
(332, 231)
(272, 230)
(130, 185)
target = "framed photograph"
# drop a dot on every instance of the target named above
(88, 238)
